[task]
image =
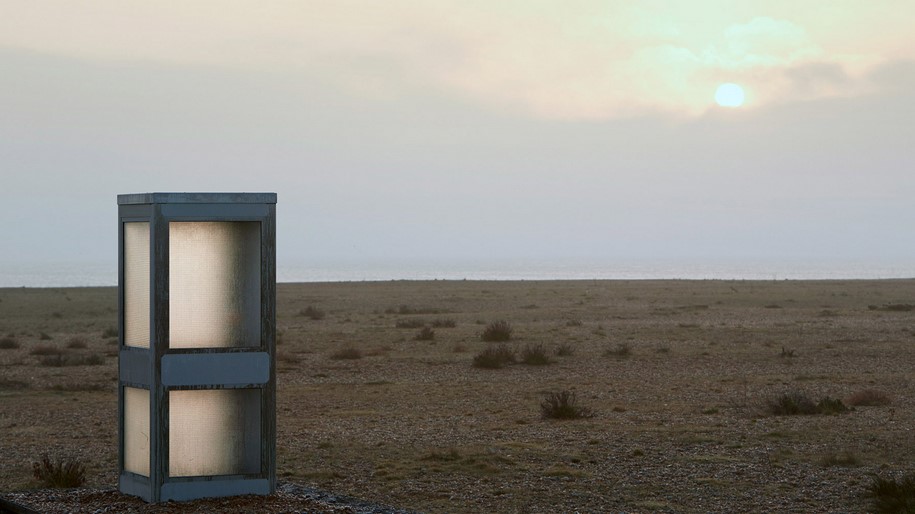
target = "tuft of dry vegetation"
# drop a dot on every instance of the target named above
(535, 355)
(497, 332)
(12, 385)
(494, 357)
(347, 353)
(869, 398)
(563, 405)
(77, 343)
(60, 473)
(893, 496)
(9, 343)
(444, 323)
(313, 313)
(620, 351)
(110, 332)
(565, 350)
(409, 323)
(45, 350)
(840, 460)
(425, 334)
(60, 360)
(796, 403)
(406, 309)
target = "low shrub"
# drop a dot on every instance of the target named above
(77, 343)
(796, 403)
(892, 307)
(46, 349)
(313, 313)
(497, 331)
(71, 387)
(44, 337)
(868, 398)
(831, 406)
(9, 343)
(563, 405)
(494, 357)
(60, 473)
(12, 385)
(409, 323)
(288, 358)
(792, 403)
(60, 360)
(425, 334)
(444, 323)
(565, 350)
(622, 351)
(840, 460)
(893, 496)
(110, 332)
(406, 309)
(347, 353)
(786, 353)
(535, 355)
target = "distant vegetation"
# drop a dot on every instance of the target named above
(497, 331)
(796, 403)
(9, 343)
(563, 405)
(494, 357)
(868, 398)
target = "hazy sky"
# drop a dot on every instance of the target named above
(446, 130)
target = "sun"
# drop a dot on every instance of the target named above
(729, 95)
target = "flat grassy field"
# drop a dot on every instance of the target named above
(681, 376)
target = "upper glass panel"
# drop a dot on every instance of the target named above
(136, 284)
(214, 284)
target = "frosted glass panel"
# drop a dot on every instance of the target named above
(136, 284)
(214, 284)
(214, 432)
(136, 430)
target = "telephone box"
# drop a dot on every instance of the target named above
(197, 333)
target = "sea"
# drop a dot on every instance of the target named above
(95, 274)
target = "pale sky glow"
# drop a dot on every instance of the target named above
(434, 129)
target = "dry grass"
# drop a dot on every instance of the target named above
(868, 398)
(347, 353)
(9, 343)
(61, 473)
(563, 405)
(497, 332)
(77, 343)
(494, 357)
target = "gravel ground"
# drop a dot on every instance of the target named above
(288, 498)
(679, 424)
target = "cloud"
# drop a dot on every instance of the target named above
(581, 60)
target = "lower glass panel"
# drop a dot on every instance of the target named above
(214, 432)
(136, 430)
